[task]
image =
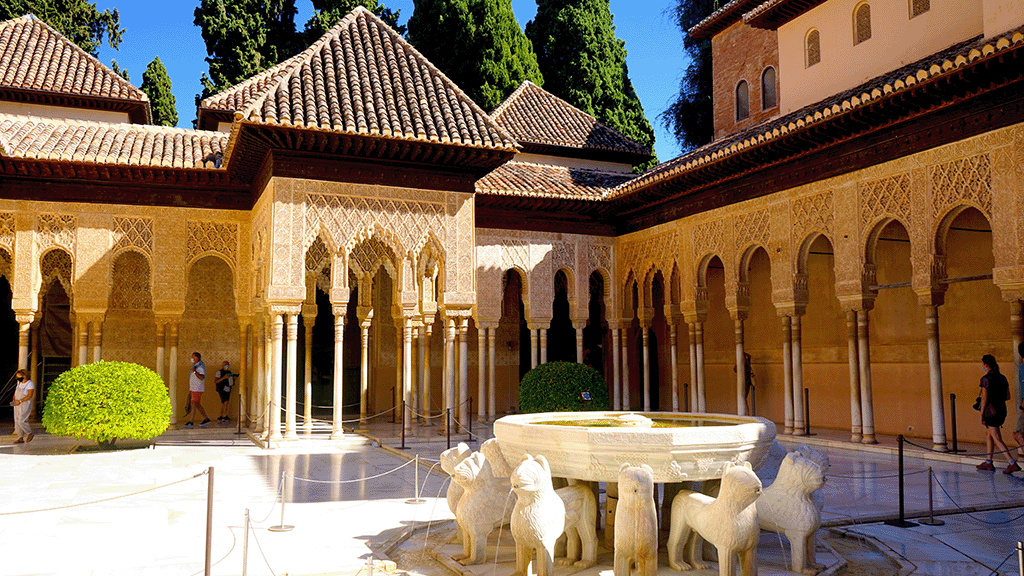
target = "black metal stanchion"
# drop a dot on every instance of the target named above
(952, 418)
(448, 426)
(753, 405)
(807, 411)
(403, 447)
(392, 404)
(930, 520)
(209, 522)
(686, 397)
(470, 417)
(902, 522)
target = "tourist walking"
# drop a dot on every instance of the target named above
(24, 396)
(196, 387)
(995, 391)
(1018, 431)
(223, 381)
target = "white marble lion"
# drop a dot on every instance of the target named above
(538, 518)
(580, 526)
(787, 507)
(729, 522)
(483, 508)
(451, 458)
(636, 523)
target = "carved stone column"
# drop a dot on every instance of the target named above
(492, 385)
(674, 358)
(616, 375)
(308, 321)
(931, 319)
(625, 384)
(161, 331)
(851, 344)
(269, 402)
(33, 354)
(407, 362)
(276, 335)
(691, 329)
(428, 329)
(645, 331)
(96, 339)
(257, 402)
(702, 398)
(24, 329)
(365, 316)
(243, 380)
(292, 376)
(864, 356)
(449, 372)
(463, 371)
(338, 410)
(578, 326)
(543, 346)
(533, 346)
(83, 341)
(787, 371)
(741, 363)
(798, 379)
(172, 369)
(481, 372)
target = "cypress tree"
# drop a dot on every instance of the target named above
(691, 117)
(157, 85)
(77, 20)
(329, 12)
(585, 64)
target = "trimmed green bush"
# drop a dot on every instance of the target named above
(107, 401)
(559, 387)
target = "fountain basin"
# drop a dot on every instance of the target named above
(698, 448)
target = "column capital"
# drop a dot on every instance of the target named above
(929, 297)
(857, 302)
(738, 313)
(533, 324)
(695, 317)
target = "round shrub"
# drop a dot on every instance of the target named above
(107, 401)
(559, 387)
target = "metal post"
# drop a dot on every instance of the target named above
(209, 521)
(902, 522)
(245, 545)
(470, 418)
(403, 426)
(448, 426)
(686, 396)
(1020, 557)
(392, 404)
(753, 406)
(282, 527)
(807, 411)
(952, 418)
(416, 493)
(931, 521)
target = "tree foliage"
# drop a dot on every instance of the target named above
(559, 387)
(585, 64)
(478, 44)
(157, 85)
(122, 72)
(78, 20)
(691, 117)
(327, 13)
(107, 401)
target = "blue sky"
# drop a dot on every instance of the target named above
(165, 29)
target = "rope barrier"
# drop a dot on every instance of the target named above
(234, 542)
(355, 479)
(983, 521)
(996, 569)
(258, 546)
(203, 473)
(880, 477)
(976, 455)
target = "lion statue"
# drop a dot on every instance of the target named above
(787, 507)
(729, 522)
(538, 518)
(580, 526)
(451, 458)
(483, 507)
(636, 523)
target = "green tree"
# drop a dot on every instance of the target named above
(477, 43)
(78, 20)
(329, 12)
(585, 64)
(122, 72)
(244, 37)
(691, 117)
(157, 85)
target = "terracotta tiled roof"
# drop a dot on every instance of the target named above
(237, 97)
(362, 78)
(33, 138)
(926, 69)
(722, 18)
(547, 181)
(533, 115)
(34, 56)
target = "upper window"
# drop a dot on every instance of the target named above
(769, 92)
(813, 48)
(742, 100)
(861, 23)
(918, 7)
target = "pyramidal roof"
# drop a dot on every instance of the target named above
(362, 78)
(534, 116)
(38, 64)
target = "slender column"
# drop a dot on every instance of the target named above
(674, 354)
(645, 337)
(851, 345)
(616, 375)
(364, 370)
(338, 411)
(259, 392)
(864, 354)
(428, 330)
(83, 342)
(691, 329)
(449, 372)
(481, 372)
(33, 354)
(464, 371)
(276, 334)
(24, 327)
(161, 331)
(702, 398)
(741, 368)
(798, 380)
(172, 369)
(97, 340)
(414, 369)
(579, 345)
(787, 371)
(407, 362)
(543, 345)
(244, 386)
(308, 320)
(267, 401)
(931, 319)
(292, 377)
(399, 363)
(624, 384)
(1016, 324)
(491, 380)
(533, 347)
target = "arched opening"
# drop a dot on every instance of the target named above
(769, 89)
(596, 330)
(742, 100)
(129, 330)
(812, 48)
(762, 339)
(56, 332)
(512, 341)
(385, 385)
(561, 334)
(719, 344)
(861, 23)
(823, 338)
(633, 348)
(660, 371)
(351, 358)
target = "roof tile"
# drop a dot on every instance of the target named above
(517, 178)
(535, 116)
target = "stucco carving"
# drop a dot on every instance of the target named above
(132, 232)
(885, 196)
(814, 212)
(962, 180)
(130, 282)
(218, 237)
(753, 228)
(7, 230)
(56, 265)
(56, 230)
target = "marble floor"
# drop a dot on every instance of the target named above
(64, 509)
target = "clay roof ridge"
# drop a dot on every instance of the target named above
(937, 64)
(33, 20)
(212, 101)
(504, 104)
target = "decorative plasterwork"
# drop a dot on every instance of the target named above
(962, 180)
(130, 232)
(56, 230)
(813, 212)
(885, 197)
(7, 230)
(218, 237)
(753, 228)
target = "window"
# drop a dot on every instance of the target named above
(861, 23)
(769, 92)
(742, 100)
(918, 7)
(813, 51)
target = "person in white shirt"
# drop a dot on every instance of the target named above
(23, 400)
(196, 387)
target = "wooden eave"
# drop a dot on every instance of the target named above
(722, 19)
(208, 118)
(567, 215)
(138, 110)
(598, 154)
(983, 95)
(774, 16)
